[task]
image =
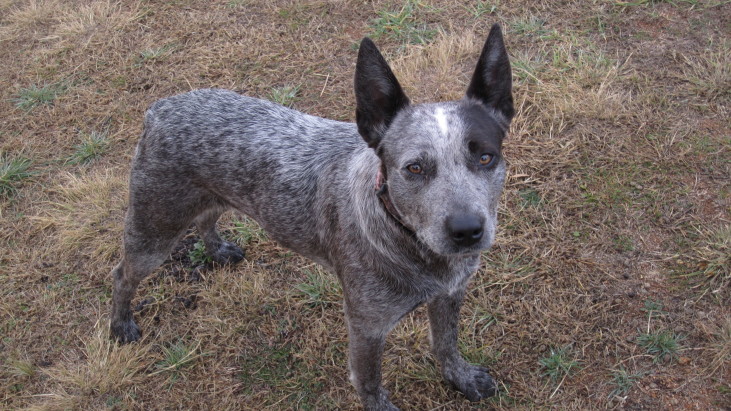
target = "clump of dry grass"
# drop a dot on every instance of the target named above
(101, 369)
(86, 216)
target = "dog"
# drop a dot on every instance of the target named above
(398, 205)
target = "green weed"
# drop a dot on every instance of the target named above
(285, 95)
(92, 146)
(484, 7)
(176, 357)
(245, 231)
(35, 96)
(320, 289)
(155, 54)
(402, 25)
(623, 381)
(662, 345)
(198, 254)
(558, 364)
(532, 27)
(653, 307)
(13, 170)
(530, 197)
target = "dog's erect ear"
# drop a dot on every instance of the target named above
(492, 82)
(378, 95)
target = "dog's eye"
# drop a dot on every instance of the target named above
(486, 159)
(415, 168)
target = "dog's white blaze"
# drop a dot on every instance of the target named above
(442, 121)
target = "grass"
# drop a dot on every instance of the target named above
(481, 8)
(245, 231)
(403, 25)
(661, 345)
(612, 241)
(319, 289)
(559, 364)
(13, 170)
(623, 382)
(285, 95)
(198, 254)
(92, 146)
(33, 96)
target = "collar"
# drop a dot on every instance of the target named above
(381, 188)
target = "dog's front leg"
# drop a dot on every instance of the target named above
(366, 341)
(471, 380)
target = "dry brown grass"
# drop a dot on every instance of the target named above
(614, 221)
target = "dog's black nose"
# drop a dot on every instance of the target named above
(465, 229)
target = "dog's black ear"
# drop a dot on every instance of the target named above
(378, 94)
(492, 82)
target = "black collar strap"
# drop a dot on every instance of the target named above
(382, 193)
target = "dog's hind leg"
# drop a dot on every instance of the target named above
(471, 380)
(158, 216)
(221, 251)
(142, 255)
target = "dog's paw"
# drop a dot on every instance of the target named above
(473, 381)
(227, 253)
(378, 402)
(125, 331)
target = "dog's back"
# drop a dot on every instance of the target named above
(250, 154)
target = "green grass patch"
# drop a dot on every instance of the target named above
(558, 364)
(198, 254)
(176, 357)
(402, 25)
(285, 95)
(662, 345)
(34, 96)
(481, 8)
(155, 54)
(245, 231)
(623, 381)
(320, 289)
(92, 146)
(13, 170)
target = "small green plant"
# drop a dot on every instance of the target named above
(237, 3)
(92, 146)
(34, 96)
(402, 25)
(653, 307)
(662, 345)
(558, 364)
(153, 54)
(483, 7)
(623, 381)
(319, 289)
(245, 231)
(198, 254)
(176, 357)
(13, 170)
(533, 27)
(623, 243)
(530, 197)
(285, 96)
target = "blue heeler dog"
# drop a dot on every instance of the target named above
(398, 206)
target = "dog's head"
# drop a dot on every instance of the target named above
(442, 162)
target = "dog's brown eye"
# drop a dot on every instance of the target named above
(415, 168)
(485, 159)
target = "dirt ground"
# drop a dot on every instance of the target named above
(607, 288)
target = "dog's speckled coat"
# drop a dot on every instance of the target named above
(310, 182)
